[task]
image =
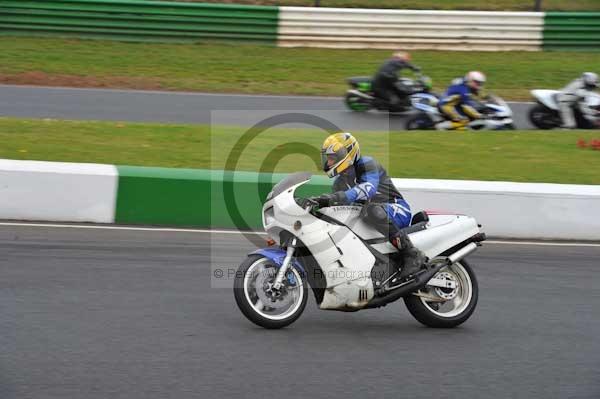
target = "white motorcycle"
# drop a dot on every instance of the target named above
(497, 114)
(350, 266)
(545, 114)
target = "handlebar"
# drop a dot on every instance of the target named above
(306, 203)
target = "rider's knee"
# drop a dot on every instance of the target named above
(376, 213)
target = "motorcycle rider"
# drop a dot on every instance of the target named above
(361, 178)
(457, 104)
(573, 95)
(386, 84)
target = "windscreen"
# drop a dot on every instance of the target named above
(492, 99)
(289, 181)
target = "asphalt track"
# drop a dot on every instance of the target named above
(88, 313)
(224, 109)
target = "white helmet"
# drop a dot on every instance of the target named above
(475, 77)
(590, 79)
(475, 80)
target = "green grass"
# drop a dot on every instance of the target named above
(514, 5)
(264, 69)
(513, 156)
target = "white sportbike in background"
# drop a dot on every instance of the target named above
(350, 266)
(545, 114)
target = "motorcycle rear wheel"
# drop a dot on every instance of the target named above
(250, 286)
(356, 103)
(446, 308)
(543, 118)
(419, 122)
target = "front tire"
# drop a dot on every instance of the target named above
(446, 308)
(256, 300)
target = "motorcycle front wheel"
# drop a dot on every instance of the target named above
(446, 307)
(419, 122)
(259, 302)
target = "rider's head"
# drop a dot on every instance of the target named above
(590, 80)
(338, 153)
(475, 80)
(402, 56)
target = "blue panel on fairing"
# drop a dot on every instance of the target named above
(277, 255)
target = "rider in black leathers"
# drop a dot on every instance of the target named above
(386, 84)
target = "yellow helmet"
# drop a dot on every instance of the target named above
(339, 152)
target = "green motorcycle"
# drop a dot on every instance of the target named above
(361, 97)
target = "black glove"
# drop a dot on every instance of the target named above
(322, 200)
(326, 200)
(306, 202)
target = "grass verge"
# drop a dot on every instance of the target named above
(512, 156)
(263, 69)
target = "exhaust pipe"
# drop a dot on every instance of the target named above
(461, 253)
(421, 279)
(407, 288)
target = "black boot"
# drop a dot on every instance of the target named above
(412, 258)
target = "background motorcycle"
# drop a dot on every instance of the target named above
(497, 114)
(545, 114)
(350, 266)
(361, 98)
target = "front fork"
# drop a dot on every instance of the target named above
(286, 263)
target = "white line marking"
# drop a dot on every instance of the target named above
(543, 243)
(189, 93)
(182, 230)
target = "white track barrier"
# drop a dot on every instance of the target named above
(76, 192)
(410, 29)
(513, 210)
(57, 191)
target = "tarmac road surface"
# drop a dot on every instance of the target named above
(201, 108)
(104, 313)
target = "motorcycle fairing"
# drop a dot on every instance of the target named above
(546, 97)
(349, 215)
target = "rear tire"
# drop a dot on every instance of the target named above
(356, 103)
(419, 122)
(542, 117)
(464, 301)
(246, 295)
